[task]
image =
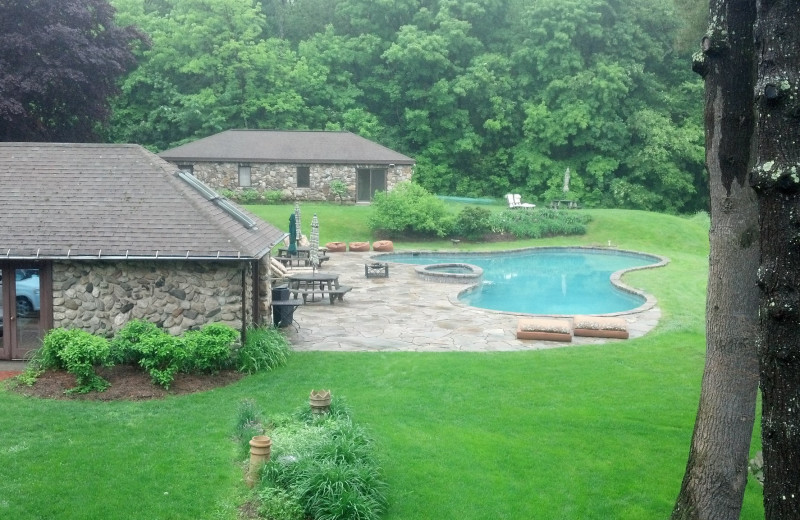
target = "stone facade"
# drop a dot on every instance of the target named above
(100, 297)
(283, 178)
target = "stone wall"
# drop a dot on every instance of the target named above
(283, 178)
(100, 297)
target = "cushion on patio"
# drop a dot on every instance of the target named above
(336, 247)
(359, 246)
(383, 246)
(545, 329)
(600, 327)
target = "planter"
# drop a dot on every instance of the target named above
(260, 448)
(320, 401)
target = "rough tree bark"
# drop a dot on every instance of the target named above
(716, 472)
(776, 178)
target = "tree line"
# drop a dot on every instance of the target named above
(489, 96)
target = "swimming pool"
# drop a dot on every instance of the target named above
(546, 280)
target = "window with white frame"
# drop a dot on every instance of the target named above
(244, 175)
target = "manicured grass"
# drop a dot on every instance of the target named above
(592, 432)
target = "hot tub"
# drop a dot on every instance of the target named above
(450, 273)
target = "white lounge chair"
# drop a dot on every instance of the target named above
(519, 204)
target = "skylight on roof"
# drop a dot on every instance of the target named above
(214, 197)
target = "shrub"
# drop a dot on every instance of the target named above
(124, 348)
(208, 350)
(538, 223)
(409, 210)
(162, 356)
(273, 197)
(338, 189)
(77, 352)
(472, 223)
(263, 349)
(248, 196)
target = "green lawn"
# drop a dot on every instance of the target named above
(593, 432)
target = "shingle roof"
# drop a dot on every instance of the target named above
(286, 147)
(104, 201)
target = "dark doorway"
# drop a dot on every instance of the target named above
(369, 180)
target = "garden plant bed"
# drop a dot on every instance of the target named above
(127, 383)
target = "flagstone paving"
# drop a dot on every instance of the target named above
(405, 313)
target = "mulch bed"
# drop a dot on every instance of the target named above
(6, 374)
(127, 383)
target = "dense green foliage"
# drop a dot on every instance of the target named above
(539, 223)
(489, 96)
(207, 350)
(263, 349)
(77, 352)
(60, 61)
(409, 210)
(323, 467)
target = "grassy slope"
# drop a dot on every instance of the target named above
(582, 432)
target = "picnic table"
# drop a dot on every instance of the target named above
(571, 204)
(303, 256)
(310, 284)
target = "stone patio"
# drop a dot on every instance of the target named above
(405, 313)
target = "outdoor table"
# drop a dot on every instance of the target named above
(312, 283)
(302, 251)
(571, 204)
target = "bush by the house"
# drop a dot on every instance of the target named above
(409, 210)
(208, 350)
(321, 467)
(539, 223)
(124, 350)
(263, 349)
(78, 352)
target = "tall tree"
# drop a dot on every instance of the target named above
(716, 473)
(777, 181)
(59, 64)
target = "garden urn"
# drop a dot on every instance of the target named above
(260, 447)
(320, 401)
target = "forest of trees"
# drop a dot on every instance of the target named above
(488, 96)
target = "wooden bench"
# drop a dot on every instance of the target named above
(339, 292)
(333, 294)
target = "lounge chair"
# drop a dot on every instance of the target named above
(519, 204)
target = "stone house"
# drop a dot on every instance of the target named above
(299, 164)
(95, 235)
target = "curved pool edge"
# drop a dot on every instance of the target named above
(615, 278)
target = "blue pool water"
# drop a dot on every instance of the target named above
(544, 281)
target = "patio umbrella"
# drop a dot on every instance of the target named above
(299, 232)
(566, 181)
(313, 248)
(292, 235)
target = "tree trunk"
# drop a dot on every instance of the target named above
(776, 178)
(716, 473)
